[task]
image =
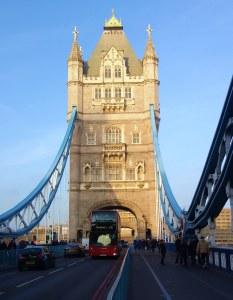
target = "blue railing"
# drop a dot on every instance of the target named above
(222, 258)
(219, 257)
(28, 213)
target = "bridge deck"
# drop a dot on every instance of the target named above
(149, 280)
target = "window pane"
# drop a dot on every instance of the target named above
(118, 92)
(107, 72)
(97, 174)
(128, 92)
(113, 172)
(113, 136)
(97, 93)
(91, 138)
(108, 93)
(130, 174)
(117, 71)
(136, 138)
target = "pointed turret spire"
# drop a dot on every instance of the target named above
(150, 50)
(75, 53)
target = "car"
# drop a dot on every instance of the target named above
(35, 257)
(74, 250)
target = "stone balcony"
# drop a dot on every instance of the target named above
(113, 104)
(113, 152)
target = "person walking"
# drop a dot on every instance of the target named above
(203, 251)
(153, 245)
(178, 249)
(192, 249)
(183, 252)
(162, 249)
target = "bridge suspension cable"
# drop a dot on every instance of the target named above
(216, 182)
(20, 219)
(171, 210)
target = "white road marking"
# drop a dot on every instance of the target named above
(72, 264)
(28, 282)
(55, 271)
(165, 293)
(2, 293)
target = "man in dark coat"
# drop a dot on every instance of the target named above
(162, 250)
(178, 249)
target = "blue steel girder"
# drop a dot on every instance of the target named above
(211, 193)
(28, 213)
(171, 210)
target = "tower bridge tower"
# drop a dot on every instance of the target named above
(111, 159)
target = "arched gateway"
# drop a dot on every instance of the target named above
(111, 159)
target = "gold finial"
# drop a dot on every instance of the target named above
(149, 31)
(75, 34)
(113, 22)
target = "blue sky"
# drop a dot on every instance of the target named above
(194, 43)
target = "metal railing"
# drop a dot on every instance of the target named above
(222, 258)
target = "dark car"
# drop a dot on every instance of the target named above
(35, 257)
(74, 250)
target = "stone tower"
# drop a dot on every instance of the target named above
(111, 159)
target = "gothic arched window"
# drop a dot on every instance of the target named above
(128, 92)
(97, 93)
(140, 173)
(117, 71)
(87, 173)
(108, 93)
(135, 138)
(118, 92)
(113, 135)
(107, 72)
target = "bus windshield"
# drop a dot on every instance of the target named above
(103, 237)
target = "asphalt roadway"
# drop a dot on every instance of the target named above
(148, 280)
(72, 278)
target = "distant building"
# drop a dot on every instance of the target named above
(41, 234)
(224, 234)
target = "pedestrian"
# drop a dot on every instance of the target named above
(192, 249)
(162, 250)
(178, 249)
(147, 244)
(203, 252)
(153, 245)
(183, 252)
(143, 245)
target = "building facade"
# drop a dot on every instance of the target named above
(223, 233)
(111, 157)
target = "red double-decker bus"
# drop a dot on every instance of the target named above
(105, 233)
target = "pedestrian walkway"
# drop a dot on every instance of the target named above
(148, 280)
